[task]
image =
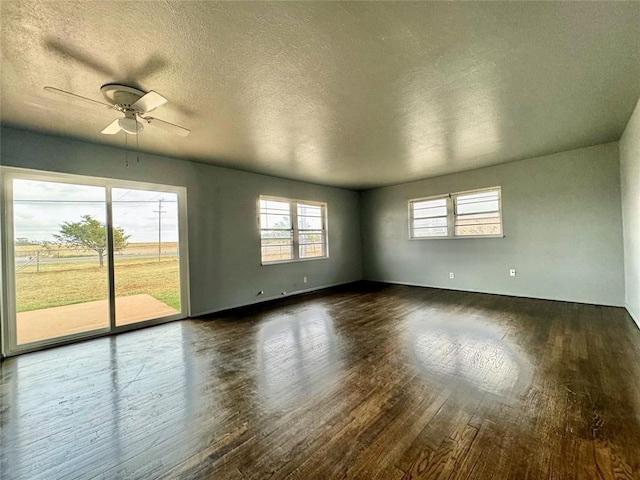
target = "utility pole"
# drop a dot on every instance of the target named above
(159, 212)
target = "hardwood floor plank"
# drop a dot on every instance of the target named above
(367, 381)
(210, 454)
(443, 462)
(448, 422)
(481, 452)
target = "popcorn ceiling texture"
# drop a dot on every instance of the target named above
(355, 95)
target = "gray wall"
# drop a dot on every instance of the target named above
(224, 243)
(561, 213)
(630, 179)
(562, 224)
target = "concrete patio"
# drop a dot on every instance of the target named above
(83, 317)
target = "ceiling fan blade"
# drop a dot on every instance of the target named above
(57, 91)
(150, 101)
(168, 127)
(112, 128)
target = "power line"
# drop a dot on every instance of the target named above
(159, 212)
(127, 192)
(94, 201)
(151, 200)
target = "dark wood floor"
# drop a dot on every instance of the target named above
(368, 382)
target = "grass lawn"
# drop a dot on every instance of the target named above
(60, 284)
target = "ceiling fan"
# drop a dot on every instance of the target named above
(134, 104)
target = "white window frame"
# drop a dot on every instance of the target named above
(446, 197)
(451, 214)
(293, 212)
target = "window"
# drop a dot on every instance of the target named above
(477, 214)
(474, 213)
(429, 217)
(292, 230)
(276, 232)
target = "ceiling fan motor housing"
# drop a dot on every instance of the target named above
(121, 95)
(123, 98)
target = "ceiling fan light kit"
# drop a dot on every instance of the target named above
(130, 125)
(134, 104)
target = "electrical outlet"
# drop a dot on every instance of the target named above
(304, 279)
(261, 292)
(512, 272)
(452, 275)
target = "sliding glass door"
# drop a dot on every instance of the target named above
(85, 256)
(147, 254)
(61, 277)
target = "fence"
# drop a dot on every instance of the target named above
(31, 257)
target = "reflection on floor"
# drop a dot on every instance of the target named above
(365, 382)
(84, 317)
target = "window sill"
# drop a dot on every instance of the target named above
(457, 238)
(293, 260)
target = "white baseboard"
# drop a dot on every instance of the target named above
(634, 316)
(410, 284)
(274, 297)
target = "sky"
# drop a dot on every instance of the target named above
(40, 208)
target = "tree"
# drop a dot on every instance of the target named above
(90, 234)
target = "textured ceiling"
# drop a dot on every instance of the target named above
(346, 94)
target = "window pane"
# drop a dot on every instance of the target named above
(311, 250)
(268, 220)
(61, 260)
(429, 218)
(277, 245)
(478, 202)
(273, 252)
(425, 204)
(478, 217)
(430, 222)
(273, 206)
(430, 208)
(479, 207)
(275, 215)
(311, 237)
(309, 210)
(478, 214)
(276, 234)
(310, 223)
(430, 232)
(430, 212)
(309, 217)
(477, 196)
(147, 261)
(478, 224)
(486, 229)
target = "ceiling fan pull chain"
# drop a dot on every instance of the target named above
(126, 151)
(137, 149)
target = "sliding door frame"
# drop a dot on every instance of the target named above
(8, 318)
